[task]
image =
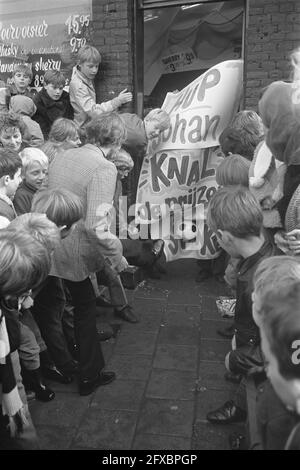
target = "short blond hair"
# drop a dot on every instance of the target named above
(25, 262)
(39, 227)
(32, 154)
(88, 53)
(161, 117)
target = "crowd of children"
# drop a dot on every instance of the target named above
(54, 195)
(62, 160)
(255, 216)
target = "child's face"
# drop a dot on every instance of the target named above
(13, 183)
(73, 142)
(54, 91)
(227, 242)
(152, 129)
(11, 138)
(286, 390)
(35, 174)
(123, 171)
(21, 80)
(89, 69)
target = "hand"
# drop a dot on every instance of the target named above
(267, 203)
(293, 239)
(125, 96)
(281, 241)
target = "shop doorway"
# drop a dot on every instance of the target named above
(181, 40)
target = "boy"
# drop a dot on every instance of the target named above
(52, 101)
(276, 311)
(10, 178)
(24, 264)
(236, 218)
(12, 130)
(34, 172)
(82, 90)
(22, 77)
(25, 106)
(139, 131)
(65, 209)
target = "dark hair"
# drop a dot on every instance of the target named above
(281, 325)
(106, 129)
(10, 119)
(60, 205)
(10, 162)
(55, 77)
(235, 210)
(238, 141)
(24, 262)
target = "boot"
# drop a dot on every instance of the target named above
(33, 381)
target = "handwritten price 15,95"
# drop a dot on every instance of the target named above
(75, 22)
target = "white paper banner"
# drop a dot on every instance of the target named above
(177, 178)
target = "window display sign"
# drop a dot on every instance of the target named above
(44, 34)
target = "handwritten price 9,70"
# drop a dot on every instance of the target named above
(77, 43)
(74, 22)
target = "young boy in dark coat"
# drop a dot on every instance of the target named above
(52, 101)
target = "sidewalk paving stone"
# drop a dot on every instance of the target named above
(212, 437)
(172, 417)
(181, 315)
(130, 366)
(211, 375)
(171, 384)
(170, 356)
(184, 335)
(119, 395)
(136, 342)
(160, 442)
(209, 328)
(60, 411)
(48, 435)
(106, 429)
(148, 322)
(214, 349)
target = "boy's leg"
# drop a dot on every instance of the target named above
(47, 310)
(91, 360)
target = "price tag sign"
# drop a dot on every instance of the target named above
(46, 36)
(179, 61)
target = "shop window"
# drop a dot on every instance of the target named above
(183, 40)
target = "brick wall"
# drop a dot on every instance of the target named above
(112, 25)
(273, 33)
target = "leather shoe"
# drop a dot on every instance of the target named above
(127, 314)
(227, 332)
(53, 373)
(226, 414)
(86, 387)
